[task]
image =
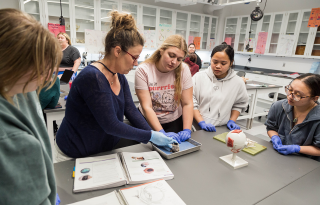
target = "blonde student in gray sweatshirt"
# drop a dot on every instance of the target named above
(29, 54)
(219, 95)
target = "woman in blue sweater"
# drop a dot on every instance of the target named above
(294, 124)
(100, 97)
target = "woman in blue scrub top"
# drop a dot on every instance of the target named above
(293, 124)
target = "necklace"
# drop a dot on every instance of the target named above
(296, 119)
(108, 70)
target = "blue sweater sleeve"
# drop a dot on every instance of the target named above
(98, 97)
(130, 110)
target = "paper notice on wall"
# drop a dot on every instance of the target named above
(211, 43)
(196, 42)
(190, 40)
(140, 29)
(262, 42)
(314, 19)
(251, 41)
(56, 28)
(228, 40)
(286, 44)
(149, 39)
(165, 30)
(94, 41)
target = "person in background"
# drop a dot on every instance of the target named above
(49, 95)
(27, 174)
(219, 95)
(164, 87)
(71, 56)
(100, 98)
(190, 60)
(192, 50)
(293, 124)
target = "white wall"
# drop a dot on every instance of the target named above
(9, 4)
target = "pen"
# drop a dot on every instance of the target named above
(74, 168)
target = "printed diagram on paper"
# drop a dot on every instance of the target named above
(149, 38)
(154, 193)
(286, 44)
(94, 41)
(165, 30)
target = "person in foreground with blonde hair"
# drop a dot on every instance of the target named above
(163, 85)
(100, 97)
(28, 55)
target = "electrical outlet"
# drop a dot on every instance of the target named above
(284, 65)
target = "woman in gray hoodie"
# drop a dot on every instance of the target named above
(219, 95)
(293, 124)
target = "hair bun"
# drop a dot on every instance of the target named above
(122, 21)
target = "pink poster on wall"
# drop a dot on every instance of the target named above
(228, 40)
(191, 38)
(262, 42)
(56, 28)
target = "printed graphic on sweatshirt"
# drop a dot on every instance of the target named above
(162, 98)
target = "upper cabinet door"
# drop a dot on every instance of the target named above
(266, 27)
(105, 8)
(84, 18)
(205, 32)
(182, 24)
(54, 13)
(166, 16)
(231, 29)
(34, 8)
(149, 18)
(195, 25)
(243, 33)
(292, 23)
(213, 28)
(131, 9)
(315, 42)
(303, 34)
(276, 30)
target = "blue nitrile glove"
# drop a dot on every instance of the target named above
(161, 140)
(207, 127)
(171, 135)
(57, 200)
(184, 135)
(276, 141)
(288, 149)
(232, 125)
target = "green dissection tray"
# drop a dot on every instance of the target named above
(250, 150)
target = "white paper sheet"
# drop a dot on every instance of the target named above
(165, 30)
(103, 170)
(146, 166)
(150, 39)
(286, 44)
(158, 192)
(94, 41)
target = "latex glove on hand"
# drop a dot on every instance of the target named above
(207, 127)
(232, 125)
(57, 200)
(276, 141)
(171, 135)
(161, 140)
(184, 135)
(288, 149)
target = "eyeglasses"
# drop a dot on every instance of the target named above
(133, 58)
(295, 96)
